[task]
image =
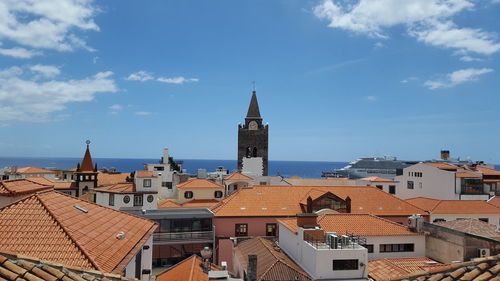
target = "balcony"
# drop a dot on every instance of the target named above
(334, 242)
(172, 238)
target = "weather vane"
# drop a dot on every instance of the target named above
(253, 83)
(87, 142)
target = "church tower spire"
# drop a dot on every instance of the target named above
(253, 142)
(86, 173)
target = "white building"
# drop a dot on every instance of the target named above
(381, 237)
(164, 172)
(384, 184)
(441, 181)
(447, 210)
(321, 254)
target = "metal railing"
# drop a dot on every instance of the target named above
(182, 236)
(335, 243)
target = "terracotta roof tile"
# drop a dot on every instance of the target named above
(107, 178)
(19, 187)
(33, 170)
(285, 201)
(117, 188)
(20, 268)
(87, 164)
(199, 183)
(272, 263)
(378, 179)
(32, 226)
(466, 175)
(487, 171)
(144, 174)
(359, 224)
(237, 176)
(190, 269)
(196, 203)
(396, 268)
(56, 184)
(443, 166)
(495, 201)
(472, 226)
(454, 206)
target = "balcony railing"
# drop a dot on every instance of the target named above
(172, 237)
(339, 242)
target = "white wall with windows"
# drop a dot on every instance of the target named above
(146, 201)
(403, 246)
(188, 194)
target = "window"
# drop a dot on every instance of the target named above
(369, 247)
(486, 220)
(329, 203)
(146, 183)
(166, 184)
(150, 198)
(241, 229)
(270, 229)
(188, 194)
(254, 152)
(410, 185)
(381, 187)
(390, 248)
(126, 199)
(392, 189)
(263, 183)
(218, 194)
(111, 199)
(137, 200)
(345, 264)
(419, 185)
(159, 168)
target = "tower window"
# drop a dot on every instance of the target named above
(249, 152)
(254, 152)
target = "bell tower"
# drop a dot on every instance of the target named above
(86, 173)
(253, 142)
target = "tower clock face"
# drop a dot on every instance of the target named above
(252, 125)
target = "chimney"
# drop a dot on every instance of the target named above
(348, 205)
(309, 205)
(252, 268)
(445, 155)
(307, 220)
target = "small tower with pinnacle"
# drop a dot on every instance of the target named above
(86, 173)
(253, 141)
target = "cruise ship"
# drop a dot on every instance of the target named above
(385, 167)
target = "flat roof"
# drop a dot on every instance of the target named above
(176, 213)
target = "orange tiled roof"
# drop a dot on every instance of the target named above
(396, 268)
(272, 264)
(19, 187)
(144, 174)
(466, 175)
(472, 226)
(298, 181)
(423, 203)
(18, 267)
(444, 166)
(454, 206)
(118, 188)
(359, 224)
(237, 176)
(196, 203)
(190, 269)
(106, 178)
(33, 170)
(56, 184)
(378, 179)
(495, 201)
(285, 201)
(50, 226)
(487, 171)
(199, 183)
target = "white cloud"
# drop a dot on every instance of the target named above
(370, 98)
(456, 78)
(47, 24)
(427, 20)
(469, 59)
(47, 71)
(140, 76)
(412, 78)
(143, 113)
(115, 108)
(30, 100)
(20, 53)
(177, 80)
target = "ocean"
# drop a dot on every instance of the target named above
(304, 169)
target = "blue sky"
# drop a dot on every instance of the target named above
(336, 80)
